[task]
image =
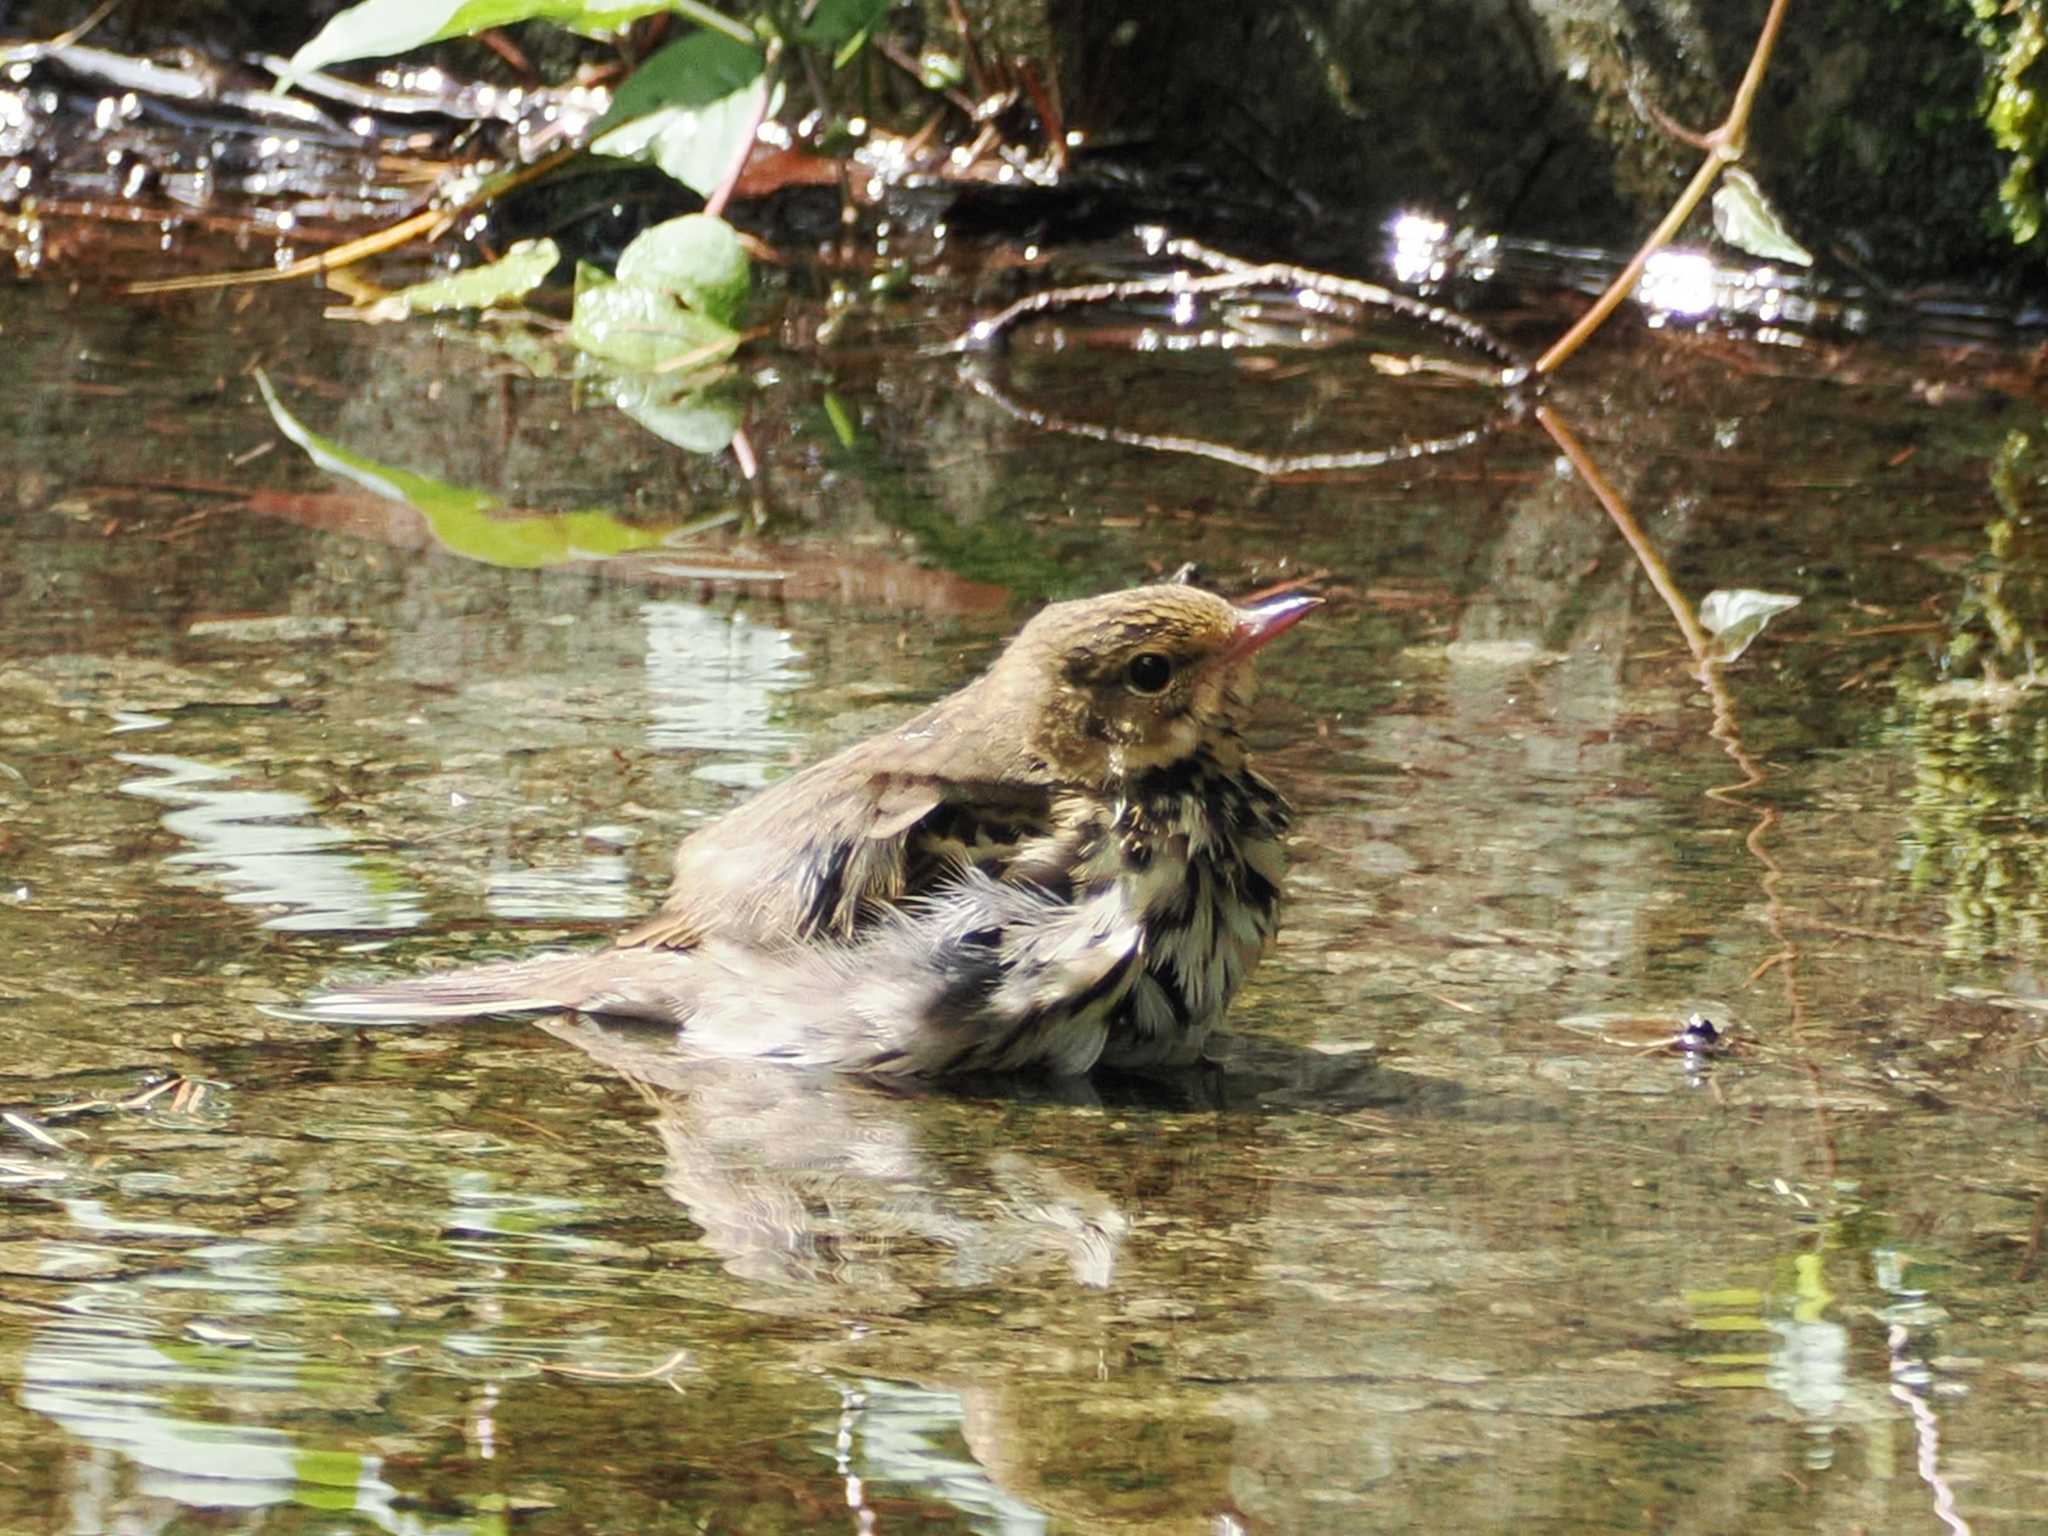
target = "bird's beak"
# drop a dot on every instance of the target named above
(1269, 617)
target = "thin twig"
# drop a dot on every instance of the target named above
(1724, 147)
(31, 1130)
(1631, 531)
(1229, 275)
(591, 1373)
(716, 20)
(1798, 919)
(140, 1100)
(1725, 728)
(428, 223)
(28, 53)
(1267, 464)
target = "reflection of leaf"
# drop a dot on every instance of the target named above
(460, 516)
(679, 408)
(429, 496)
(689, 109)
(543, 354)
(319, 1468)
(1745, 219)
(1736, 617)
(640, 329)
(378, 28)
(519, 271)
(698, 258)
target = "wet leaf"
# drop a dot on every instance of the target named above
(1745, 219)
(542, 354)
(643, 329)
(1737, 616)
(699, 259)
(518, 272)
(841, 420)
(843, 26)
(378, 28)
(838, 21)
(688, 109)
(589, 275)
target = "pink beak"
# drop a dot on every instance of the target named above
(1268, 618)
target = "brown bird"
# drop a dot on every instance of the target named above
(1069, 861)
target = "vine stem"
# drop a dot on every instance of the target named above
(744, 150)
(714, 19)
(1724, 146)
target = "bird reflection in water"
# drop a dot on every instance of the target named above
(820, 1185)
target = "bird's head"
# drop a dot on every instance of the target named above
(1119, 685)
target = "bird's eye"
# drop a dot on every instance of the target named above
(1149, 672)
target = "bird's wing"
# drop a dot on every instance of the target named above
(821, 854)
(831, 871)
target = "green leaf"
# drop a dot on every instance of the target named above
(699, 259)
(693, 71)
(841, 420)
(689, 109)
(589, 275)
(518, 272)
(378, 28)
(644, 329)
(462, 519)
(841, 21)
(1745, 219)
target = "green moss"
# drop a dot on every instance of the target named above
(2010, 36)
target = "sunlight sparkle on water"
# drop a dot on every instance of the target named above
(1678, 283)
(1689, 286)
(1420, 249)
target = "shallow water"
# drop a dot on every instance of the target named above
(1454, 1238)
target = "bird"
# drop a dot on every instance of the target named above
(1068, 863)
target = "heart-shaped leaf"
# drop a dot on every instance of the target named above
(699, 259)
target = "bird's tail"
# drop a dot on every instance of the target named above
(979, 977)
(632, 983)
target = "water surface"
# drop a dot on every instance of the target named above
(1456, 1238)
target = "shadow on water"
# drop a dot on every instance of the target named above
(1455, 1234)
